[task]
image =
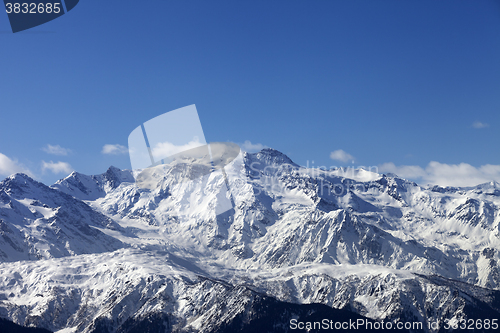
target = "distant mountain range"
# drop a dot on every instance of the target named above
(100, 254)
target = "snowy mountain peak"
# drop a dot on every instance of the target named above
(86, 187)
(268, 157)
(490, 188)
(20, 184)
(20, 177)
(115, 176)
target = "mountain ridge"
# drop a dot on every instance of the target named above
(348, 239)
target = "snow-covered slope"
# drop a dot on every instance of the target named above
(38, 222)
(148, 292)
(378, 245)
(286, 215)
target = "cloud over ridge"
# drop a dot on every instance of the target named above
(57, 167)
(443, 174)
(9, 166)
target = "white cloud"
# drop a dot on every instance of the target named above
(9, 166)
(117, 149)
(478, 124)
(56, 150)
(404, 171)
(56, 167)
(252, 147)
(165, 149)
(462, 174)
(340, 155)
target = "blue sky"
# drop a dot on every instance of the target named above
(401, 85)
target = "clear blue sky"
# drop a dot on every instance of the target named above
(384, 81)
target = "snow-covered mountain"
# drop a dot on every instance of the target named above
(108, 256)
(38, 222)
(86, 187)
